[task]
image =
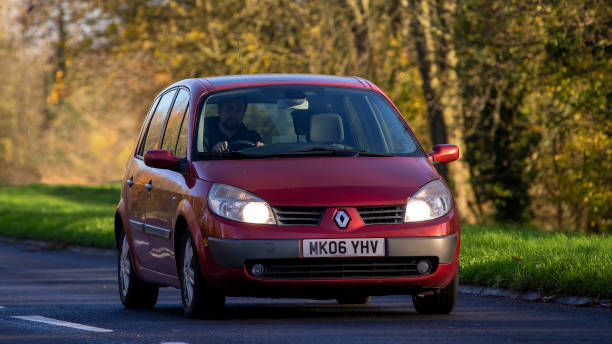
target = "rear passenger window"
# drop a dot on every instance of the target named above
(143, 134)
(174, 121)
(157, 122)
(181, 145)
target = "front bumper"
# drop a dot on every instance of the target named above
(234, 253)
(228, 250)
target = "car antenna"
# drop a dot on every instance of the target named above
(239, 59)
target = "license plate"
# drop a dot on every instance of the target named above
(371, 247)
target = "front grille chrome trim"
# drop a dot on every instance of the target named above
(298, 216)
(382, 215)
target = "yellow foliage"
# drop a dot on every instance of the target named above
(53, 98)
(162, 78)
(7, 149)
(123, 156)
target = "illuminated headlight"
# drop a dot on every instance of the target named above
(239, 205)
(431, 201)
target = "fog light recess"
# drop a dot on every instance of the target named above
(257, 270)
(423, 267)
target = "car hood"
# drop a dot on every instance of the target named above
(329, 181)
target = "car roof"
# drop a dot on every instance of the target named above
(217, 83)
(246, 80)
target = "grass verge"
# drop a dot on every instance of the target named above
(522, 258)
(81, 215)
(515, 257)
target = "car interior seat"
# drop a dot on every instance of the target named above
(326, 128)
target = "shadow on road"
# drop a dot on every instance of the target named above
(295, 311)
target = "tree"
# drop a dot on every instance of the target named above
(432, 32)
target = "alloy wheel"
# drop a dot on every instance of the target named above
(125, 267)
(188, 273)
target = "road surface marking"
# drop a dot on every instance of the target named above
(1, 307)
(38, 318)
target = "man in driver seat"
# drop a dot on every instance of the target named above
(222, 131)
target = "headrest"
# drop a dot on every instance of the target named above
(326, 128)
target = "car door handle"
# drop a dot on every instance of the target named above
(149, 185)
(130, 182)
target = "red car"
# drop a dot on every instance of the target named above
(284, 186)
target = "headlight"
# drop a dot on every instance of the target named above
(239, 205)
(430, 202)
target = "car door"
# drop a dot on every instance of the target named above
(136, 194)
(167, 188)
(142, 177)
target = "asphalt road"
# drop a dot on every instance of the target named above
(80, 288)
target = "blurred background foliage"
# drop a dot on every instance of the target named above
(521, 86)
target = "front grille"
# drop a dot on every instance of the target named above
(321, 268)
(292, 216)
(386, 214)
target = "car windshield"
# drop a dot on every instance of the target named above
(289, 121)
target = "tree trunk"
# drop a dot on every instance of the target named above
(60, 54)
(437, 62)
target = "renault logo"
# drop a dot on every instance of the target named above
(341, 219)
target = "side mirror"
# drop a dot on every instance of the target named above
(161, 158)
(443, 154)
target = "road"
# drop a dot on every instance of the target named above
(80, 288)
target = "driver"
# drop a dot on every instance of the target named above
(228, 127)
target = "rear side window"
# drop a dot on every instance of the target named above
(175, 120)
(181, 145)
(157, 122)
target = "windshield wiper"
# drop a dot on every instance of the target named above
(331, 152)
(366, 153)
(314, 151)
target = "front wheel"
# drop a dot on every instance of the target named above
(441, 302)
(134, 293)
(198, 299)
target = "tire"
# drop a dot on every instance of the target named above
(133, 292)
(353, 299)
(198, 300)
(441, 302)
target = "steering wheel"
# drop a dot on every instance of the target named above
(240, 145)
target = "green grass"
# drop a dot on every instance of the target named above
(526, 259)
(516, 257)
(81, 215)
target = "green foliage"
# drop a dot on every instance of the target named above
(526, 259)
(571, 111)
(536, 80)
(81, 215)
(495, 40)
